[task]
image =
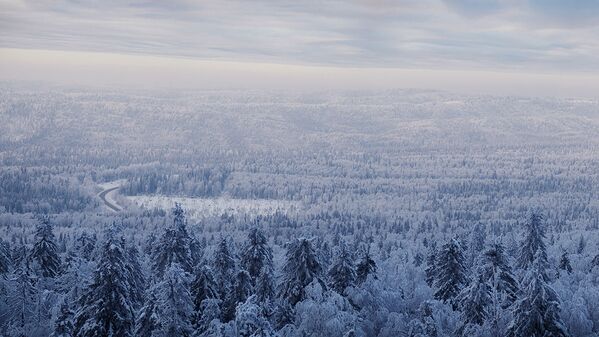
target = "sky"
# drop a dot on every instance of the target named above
(543, 47)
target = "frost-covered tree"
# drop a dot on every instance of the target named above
(175, 305)
(174, 246)
(476, 244)
(137, 277)
(424, 325)
(63, 327)
(22, 300)
(365, 267)
(256, 254)
(86, 245)
(105, 307)
(342, 273)
(451, 272)
(211, 311)
(203, 287)
(474, 302)
(224, 266)
(44, 254)
(302, 266)
(533, 242)
(249, 321)
(497, 272)
(564, 263)
(241, 291)
(4, 257)
(537, 312)
(265, 285)
(431, 265)
(147, 319)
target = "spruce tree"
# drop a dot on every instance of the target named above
(536, 313)
(302, 266)
(5, 257)
(106, 308)
(474, 302)
(63, 327)
(174, 245)
(451, 272)
(45, 253)
(497, 272)
(564, 263)
(224, 267)
(137, 277)
(265, 285)
(342, 273)
(147, 319)
(431, 265)
(365, 267)
(256, 254)
(203, 287)
(22, 299)
(175, 305)
(241, 290)
(533, 242)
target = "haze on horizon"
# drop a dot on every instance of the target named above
(529, 47)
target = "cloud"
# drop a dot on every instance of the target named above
(455, 34)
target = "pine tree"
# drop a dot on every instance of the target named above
(241, 291)
(211, 310)
(256, 254)
(64, 322)
(431, 265)
(301, 267)
(533, 242)
(106, 308)
(86, 245)
(474, 302)
(175, 305)
(477, 244)
(265, 285)
(342, 273)
(147, 319)
(249, 320)
(365, 267)
(174, 245)
(203, 287)
(136, 277)
(223, 267)
(451, 272)
(45, 252)
(564, 263)
(4, 257)
(497, 272)
(536, 314)
(22, 299)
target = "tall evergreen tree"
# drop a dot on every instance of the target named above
(533, 242)
(147, 319)
(106, 308)
(224, 267)
(22, 299)
(474, 302)
(451, 272)
(342, 273)
(137, 277)
(564, 263)
(265, 285)
(175, 305)
(497, 272)
(203, 287)
(63, 327)
(536, 314)
(302, 266)
(256, 254)
(241, 291)
(5, 257)
(365, 267)
(431, 265)
(45, 253)
(174, 245)
(477, 243)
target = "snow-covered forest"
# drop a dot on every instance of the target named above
(252, 213)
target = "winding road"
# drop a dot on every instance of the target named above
(109, 203)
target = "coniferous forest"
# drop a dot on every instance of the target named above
(245, 213)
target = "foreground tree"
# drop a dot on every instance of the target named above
(64, 322)
(302, 266)
(536, 313)
(474, 302)
(451, 272)
(174, 246)
(533, 243)
(365, 267)
(44, 254)
(175, 305)
(256, 254)
(342, 273)
(106, 308)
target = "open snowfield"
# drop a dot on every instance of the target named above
(198, 207)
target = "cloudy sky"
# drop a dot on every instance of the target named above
(556, 39)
